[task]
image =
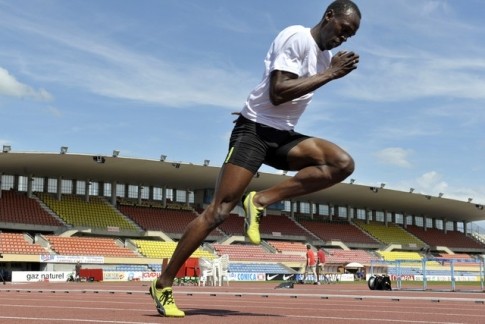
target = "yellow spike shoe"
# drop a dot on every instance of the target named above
(252, 219)
(164, 301)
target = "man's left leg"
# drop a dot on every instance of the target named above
(320, 165)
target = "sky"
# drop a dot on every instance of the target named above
(151, 78)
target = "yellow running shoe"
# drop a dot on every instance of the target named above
(253, 217)
(164, 301)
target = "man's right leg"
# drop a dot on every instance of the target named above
(231, 184)
(315, 275)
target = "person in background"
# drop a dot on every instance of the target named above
(321, 266)
(311, 265)
(77, 270)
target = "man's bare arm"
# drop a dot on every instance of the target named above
(286, 86)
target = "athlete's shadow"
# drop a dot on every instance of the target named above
(220, 313)
(225, 312)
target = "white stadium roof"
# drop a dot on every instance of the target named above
(192, 177)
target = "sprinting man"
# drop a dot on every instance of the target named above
(298, 62)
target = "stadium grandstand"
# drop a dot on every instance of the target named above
(125, 215)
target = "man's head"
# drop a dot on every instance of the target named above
(340, 21)
(308, 246)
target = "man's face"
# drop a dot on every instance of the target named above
(337, 29)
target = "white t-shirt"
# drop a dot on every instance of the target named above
(293, 50)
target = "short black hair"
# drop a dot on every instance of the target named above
(344, 7)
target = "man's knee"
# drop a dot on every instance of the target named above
(345, 164)
(215, 216)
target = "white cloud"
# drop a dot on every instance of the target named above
(435, 7)
(54, 111)
(426, 61)
(105, 67)
(432, 182)
(421, 76)
(9, 86)
(395, 156)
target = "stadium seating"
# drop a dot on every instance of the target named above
(170, 221)
(338, 256)
(438, 265)
(480, 237)
(157, 219)
(282, 234)
(16, 243)
(164, 250)
(400, 255)
(451, 239)
(97, 213)
(233, 225)
(390, 234)
(271, 224)
(88, 246)
(240, 252)
(289, 247)
(338, 230)
(460, 260)
(16, 207)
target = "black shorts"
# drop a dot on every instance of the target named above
(253, 144)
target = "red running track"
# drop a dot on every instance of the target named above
(129, 303)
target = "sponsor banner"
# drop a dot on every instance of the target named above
(394, 277)
(447, 278)
(334, 277)
(246, 276)
(35, 276)
(430, 278)
(148, 276)
(54, 258)
(279, 277)
(114, 276)
(129, 275)
(62, 276)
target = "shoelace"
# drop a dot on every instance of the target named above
(167, 298)
(258, 216)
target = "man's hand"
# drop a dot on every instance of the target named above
(286, 86)
(343, 63)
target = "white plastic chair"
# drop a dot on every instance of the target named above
(223, 269)
(208, 272)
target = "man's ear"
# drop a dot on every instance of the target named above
(329, 15)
